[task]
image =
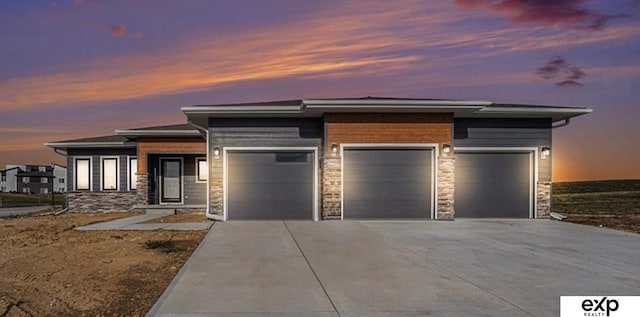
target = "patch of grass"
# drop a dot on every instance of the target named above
(605, 186)
(167, 246)
(24, 200)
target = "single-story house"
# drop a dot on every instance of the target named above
(353, 158)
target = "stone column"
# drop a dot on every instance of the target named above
(445, 190)
(216, 186)
(543, 196)
(331, 188)
(142, 189)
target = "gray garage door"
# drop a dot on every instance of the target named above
(387, 183)
(270, 185)
(492, 185)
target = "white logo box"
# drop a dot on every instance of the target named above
(599, 306)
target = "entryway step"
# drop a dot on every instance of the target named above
(160, 211)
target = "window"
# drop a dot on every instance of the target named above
(109, 174)
(61, 180)
(4, 178)
(202, 170)
(4, 189)
(44, 180)
(26, 190)
(44, 190)
(42, 169)
(25, 180)
(133, 173)
(61, 190)
(83, 174)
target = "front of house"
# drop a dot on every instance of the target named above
(356, 158)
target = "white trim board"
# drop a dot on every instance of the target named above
(434, 147)
(533, 172)
(225, 186)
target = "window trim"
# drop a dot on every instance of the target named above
(198, 160)
(75, 172)
(130, 184)
(102, 159)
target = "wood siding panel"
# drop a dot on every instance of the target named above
(168, 145)
(388, 128)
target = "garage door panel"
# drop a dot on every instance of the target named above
(387, 183)
(270, 185)
(493, 184)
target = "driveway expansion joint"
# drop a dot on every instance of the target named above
(312, 270)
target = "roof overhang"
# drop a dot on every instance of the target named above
(163, 133)
(64, 145)
(311, 108)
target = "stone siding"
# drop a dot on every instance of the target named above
(216, 190)
(331, 189)
(543, 194)
(446, 188)
(101, 201)
(142, 189)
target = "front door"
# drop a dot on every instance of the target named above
(171, 179)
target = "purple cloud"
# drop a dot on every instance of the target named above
(556, 66)
(567, 13)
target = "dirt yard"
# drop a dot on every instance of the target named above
(608, 204)
(49, 269)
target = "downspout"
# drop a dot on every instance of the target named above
(564, 124)
(206, 132)
(66, 198)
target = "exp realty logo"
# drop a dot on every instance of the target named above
(599, 306)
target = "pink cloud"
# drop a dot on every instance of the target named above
(567, 13)
(117, 30)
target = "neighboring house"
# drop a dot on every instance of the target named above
(358, 158)
(34, 179)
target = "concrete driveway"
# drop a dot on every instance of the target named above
(354, 268)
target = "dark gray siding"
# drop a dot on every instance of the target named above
(506, 133)
(95, 155)
(265, 132)
(194, 192)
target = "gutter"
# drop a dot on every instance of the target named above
(157, 132)
(563, 124)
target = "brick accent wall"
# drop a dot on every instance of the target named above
(446, 189)
(101, 201)
(331, 188)
(142, 189)
(543, 195)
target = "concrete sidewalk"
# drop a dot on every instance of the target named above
(135, 223)
(360, 268)
(20, 211)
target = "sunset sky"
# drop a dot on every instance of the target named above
(71, 69)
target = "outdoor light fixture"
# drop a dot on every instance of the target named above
(545, 152)
(216, 152)
(446, 149)
(334, 149)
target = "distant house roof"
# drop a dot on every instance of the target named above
(199, 114)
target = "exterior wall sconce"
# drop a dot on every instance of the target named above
(334, 149)
(545, 152)
(216, 152)
(446, 149)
